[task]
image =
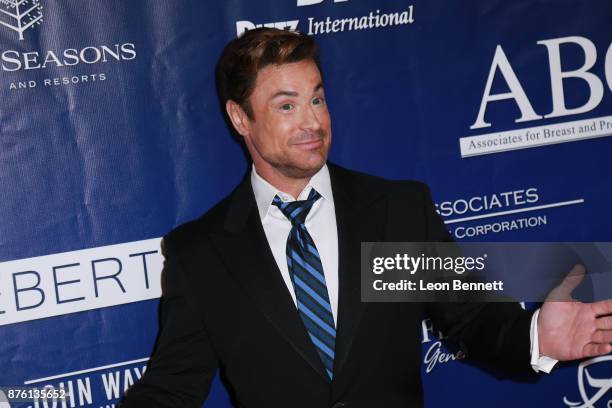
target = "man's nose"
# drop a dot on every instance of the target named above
(310, 120)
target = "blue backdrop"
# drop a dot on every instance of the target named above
(111, 135)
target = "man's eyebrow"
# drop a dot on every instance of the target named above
(317, 87)
(284, 93)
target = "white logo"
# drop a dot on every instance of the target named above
(601, 385)
(553, 133)
(242, 26)
(436, 354)
(557, 77)
(20, 14)
(311, 2)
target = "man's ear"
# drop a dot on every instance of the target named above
(239, 118)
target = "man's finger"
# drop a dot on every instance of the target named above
(603, 307)
(594, 350)
(563, 292)
(602, 336)
(604, 323)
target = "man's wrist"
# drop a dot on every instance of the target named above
(539, 362)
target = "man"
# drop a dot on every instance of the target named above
(266, 285)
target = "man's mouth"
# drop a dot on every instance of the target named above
(309, 144)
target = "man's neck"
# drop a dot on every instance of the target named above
(289, 185)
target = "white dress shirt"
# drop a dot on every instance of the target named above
(321, 224)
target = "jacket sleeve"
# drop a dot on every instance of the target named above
(183, 363)
(494, 333)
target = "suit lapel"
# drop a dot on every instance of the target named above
(360, 216)
(249, 258)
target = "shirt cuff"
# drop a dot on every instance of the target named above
(538, 363)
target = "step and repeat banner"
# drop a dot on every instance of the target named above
(111, 135)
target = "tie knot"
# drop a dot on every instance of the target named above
(296, 211)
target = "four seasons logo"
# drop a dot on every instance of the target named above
(19, 15)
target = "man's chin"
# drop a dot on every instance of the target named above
(304, 169)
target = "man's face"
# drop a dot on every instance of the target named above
(291, 129)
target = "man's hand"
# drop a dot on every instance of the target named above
(569, 329)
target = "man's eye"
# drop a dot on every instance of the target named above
(318, 101)
(286, 107)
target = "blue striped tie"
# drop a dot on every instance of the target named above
(306, 273)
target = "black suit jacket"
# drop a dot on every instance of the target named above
(226, 306)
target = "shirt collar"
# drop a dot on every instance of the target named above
(265, 192)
